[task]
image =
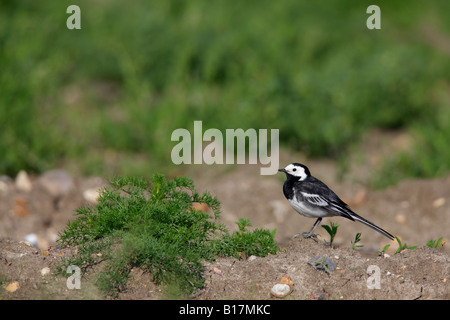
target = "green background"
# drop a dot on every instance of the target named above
(105, 99)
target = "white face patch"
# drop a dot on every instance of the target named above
(296, 171)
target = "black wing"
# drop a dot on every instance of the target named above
(317, 193)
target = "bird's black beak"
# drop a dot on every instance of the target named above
(282, 170)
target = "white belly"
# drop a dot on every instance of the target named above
(308, 211)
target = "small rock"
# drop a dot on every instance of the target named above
(281, 290)
(34, 240)
(57, 182)
(31, 239)
(322, 263)
(439, 202)
(218, 271)
(252, 258)
(91, 195)
(13, 286)
(23, 182)
(25, 243)
(286, 280)
(45, 271)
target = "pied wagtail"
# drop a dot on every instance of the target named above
(313, 199)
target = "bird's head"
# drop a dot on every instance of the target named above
(297, 171)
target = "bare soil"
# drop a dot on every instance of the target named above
(414, 210)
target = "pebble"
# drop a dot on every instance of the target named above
(286, 280)
(45, 271)
(31, 239)
(281, 290)
(57, 182)
(35, 241)
(91, 195)
(13, 286)
(25, 243)
(23, 182)
(218, 271)
(439, 202)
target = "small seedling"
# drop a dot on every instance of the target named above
(403, 247)
(382, 251)
(322, 263)
(331, 229)
(435, 243)
(357, 239)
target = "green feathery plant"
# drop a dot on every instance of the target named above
(153, 225)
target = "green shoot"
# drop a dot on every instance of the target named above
(357, 239)
(403, 247)
(435, 243)
(331, 229)
(382, 251)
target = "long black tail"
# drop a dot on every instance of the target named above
(371, 225)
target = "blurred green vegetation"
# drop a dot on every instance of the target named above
(105, 99)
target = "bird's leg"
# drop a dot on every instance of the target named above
(310, 232)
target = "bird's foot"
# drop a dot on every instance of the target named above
(307, 235)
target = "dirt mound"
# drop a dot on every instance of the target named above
(412, 274)
(423, 273)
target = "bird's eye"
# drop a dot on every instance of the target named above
(295, 169)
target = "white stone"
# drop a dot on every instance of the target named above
(23, 182)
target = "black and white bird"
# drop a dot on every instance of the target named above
(313, 199)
